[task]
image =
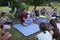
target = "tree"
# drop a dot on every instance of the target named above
(58, 0)
(35, 2)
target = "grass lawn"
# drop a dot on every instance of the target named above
(17, 35)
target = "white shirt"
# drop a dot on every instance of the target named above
(51, 11)
(29, 14)
(44, 36)
(5, 19)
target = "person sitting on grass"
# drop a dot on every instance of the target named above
(43, 11)
(4, 35)
(33, 15)
(36, 11)
(51, 11)
(44, 34)
(55, 14)
(48, 16)
(23, 16)
(25, 19)
(5, 19)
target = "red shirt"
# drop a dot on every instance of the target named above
(24, 15)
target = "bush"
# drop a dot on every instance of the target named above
(3, 3)
(35, 2)
(24, 7)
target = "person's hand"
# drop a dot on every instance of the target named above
(24, 19)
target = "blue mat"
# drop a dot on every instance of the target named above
(29, 21)
(41, 20)
(27, 30)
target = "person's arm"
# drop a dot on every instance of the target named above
(6, 36)
(0, 33)
(24, 19)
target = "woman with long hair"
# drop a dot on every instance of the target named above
(56, 31)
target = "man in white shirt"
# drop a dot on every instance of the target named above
(51, 11)
(44, 35)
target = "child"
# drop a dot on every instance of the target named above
(5, 18)
(44, 35)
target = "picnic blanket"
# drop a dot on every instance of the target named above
(27, 30)
(29, 21)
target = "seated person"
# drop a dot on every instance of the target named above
(43, 11)
(51, 11)
(24, 17)
(5, 18)
(48, 17)
(36, 11)
(55, 14)
(32, 15)
(4, 35)
(44, 34)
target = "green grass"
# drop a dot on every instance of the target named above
(39, 7)
(17, 35)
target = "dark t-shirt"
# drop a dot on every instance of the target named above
(36, 13)
(43, 11)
